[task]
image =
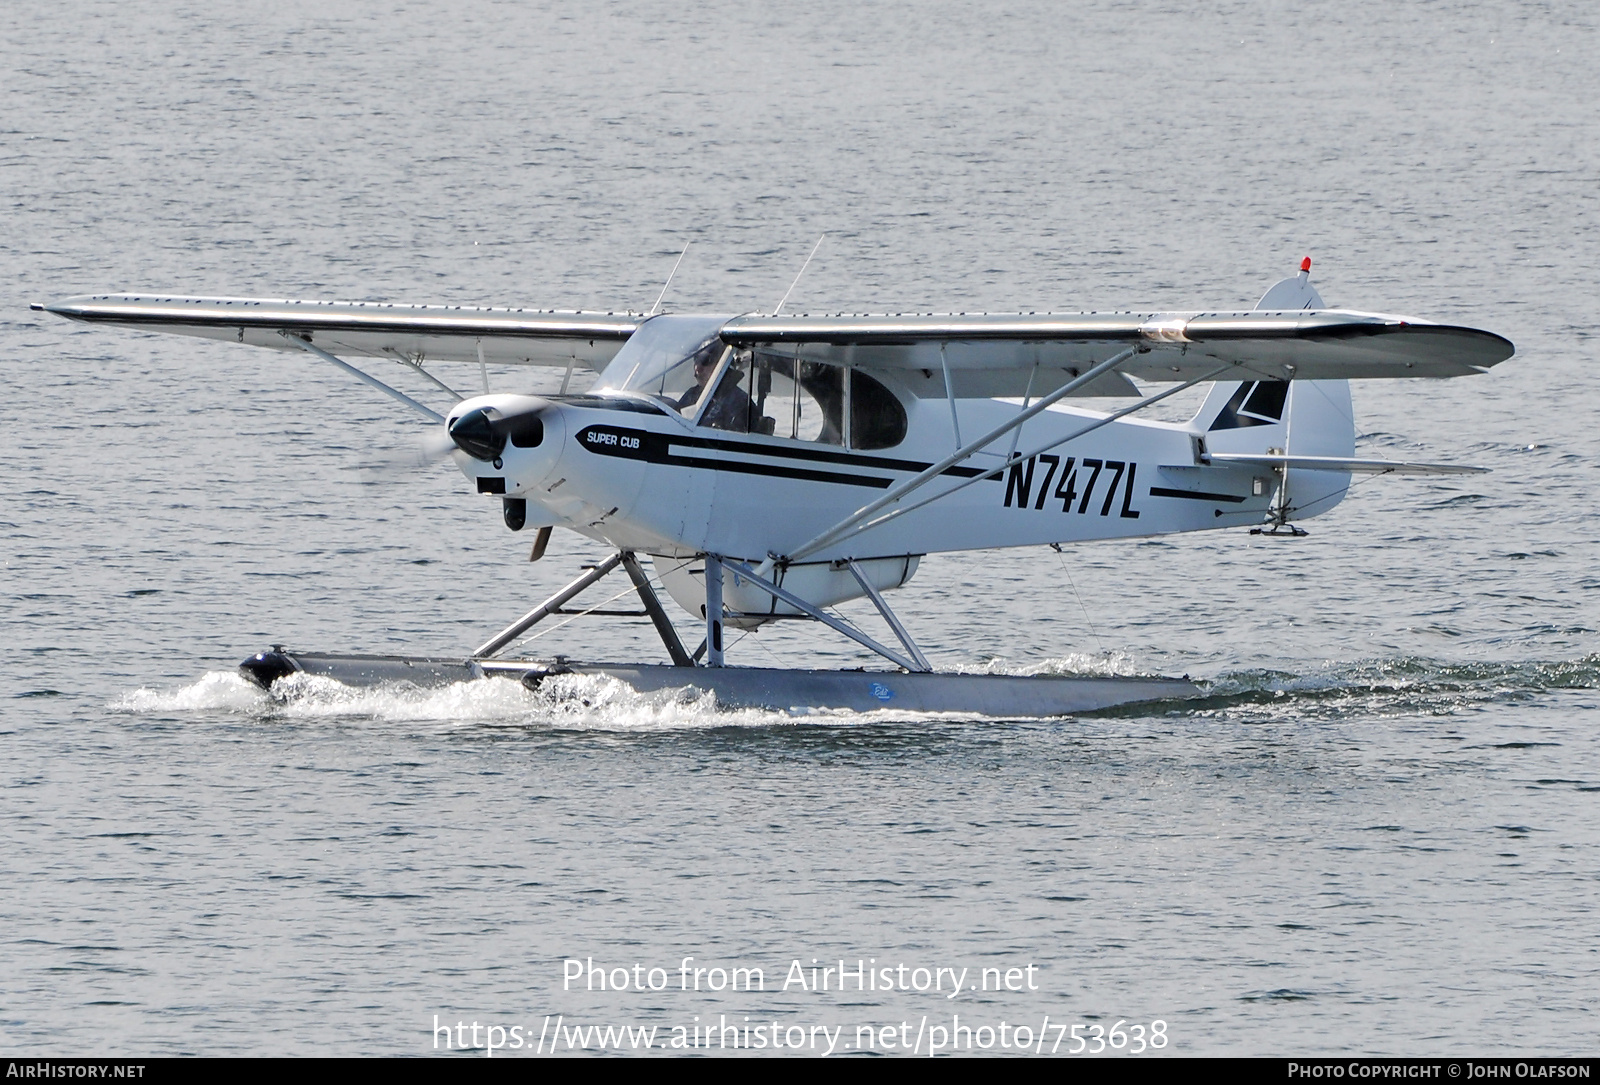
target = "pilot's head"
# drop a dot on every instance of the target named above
(705, 361)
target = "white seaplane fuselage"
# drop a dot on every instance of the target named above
(638, 476)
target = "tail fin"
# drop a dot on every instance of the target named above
(1295, 292)
(1301, 418)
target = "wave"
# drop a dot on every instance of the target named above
(1073, 665)
(602, 703)
(1399, 685)
(565, 702)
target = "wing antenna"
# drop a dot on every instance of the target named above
(670, 274)
(796, 282)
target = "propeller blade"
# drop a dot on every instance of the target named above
(435, 446)
(407, 460)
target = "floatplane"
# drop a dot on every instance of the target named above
(771, 466)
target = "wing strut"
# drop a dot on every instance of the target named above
(306, 345)
(949, 393)
(416, 364)
(916, 482)
(1054, 443)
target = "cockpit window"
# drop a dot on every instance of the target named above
(659, 359)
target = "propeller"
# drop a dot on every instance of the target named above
(482, 432)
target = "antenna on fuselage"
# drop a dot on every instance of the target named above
(796, 282)
(668, 283)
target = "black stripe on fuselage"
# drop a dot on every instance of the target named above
(818, 455)
(655, 447)
(1195, 495)
(641, 444)
(745, 467)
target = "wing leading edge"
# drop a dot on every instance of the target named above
(987, 355)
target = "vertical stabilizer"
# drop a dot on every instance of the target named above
(1301, 418)
(1295, 292)
(1235, 405)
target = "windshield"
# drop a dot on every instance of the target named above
(659, 358)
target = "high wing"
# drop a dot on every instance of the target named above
(984, 355)
(998, 355)
(414, 333)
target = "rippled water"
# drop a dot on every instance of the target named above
(1375, 833)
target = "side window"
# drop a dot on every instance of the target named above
(814, 401)
(877, 420)
(819, 406)
(794, 399)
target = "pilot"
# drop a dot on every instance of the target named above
(730, 408)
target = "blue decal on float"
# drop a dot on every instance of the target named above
(881, 691)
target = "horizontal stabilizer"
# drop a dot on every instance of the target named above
(1343, 466)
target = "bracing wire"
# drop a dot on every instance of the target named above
(630, 589)
(1060, 556)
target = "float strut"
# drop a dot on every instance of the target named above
(652, 606)
(713, 611)
(889, 616)
(545, 609)
(744, 572)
